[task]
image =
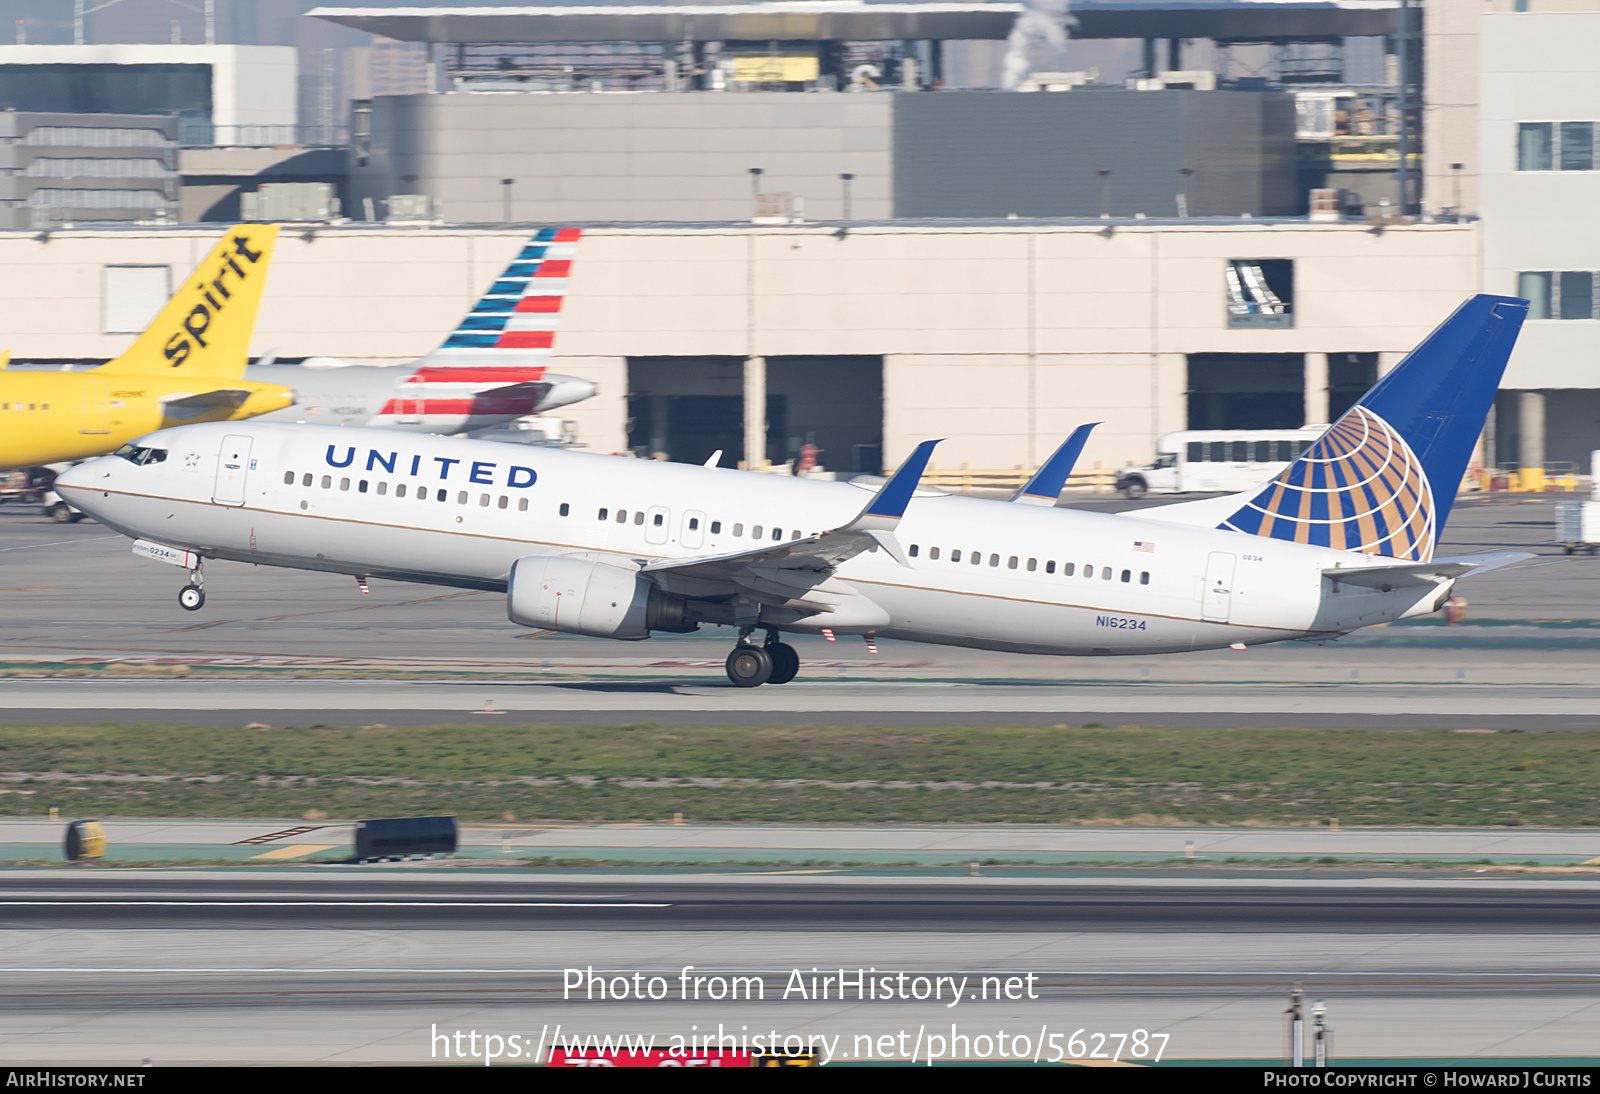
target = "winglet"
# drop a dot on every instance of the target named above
(5, 358)
(1047, 483)
(888, 505)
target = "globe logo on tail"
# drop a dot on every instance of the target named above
(1359, 488)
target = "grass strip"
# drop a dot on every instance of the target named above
(816, 774)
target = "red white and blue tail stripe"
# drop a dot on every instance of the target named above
(493, 366)
(523, 306)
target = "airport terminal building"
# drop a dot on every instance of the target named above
(862, 338)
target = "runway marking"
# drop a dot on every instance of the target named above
(300, 830)
(295, 850)
(57, 543)
(316, 904)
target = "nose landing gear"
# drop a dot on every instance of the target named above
(192, 597)
(750, 666)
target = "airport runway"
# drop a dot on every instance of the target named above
(197, 967)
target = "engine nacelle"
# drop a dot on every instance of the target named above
(580, 596)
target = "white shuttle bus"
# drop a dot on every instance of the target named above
(1228, 460)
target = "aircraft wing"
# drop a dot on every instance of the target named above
(794, 568)
(1407, 574)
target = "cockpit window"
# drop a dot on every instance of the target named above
(135, 454)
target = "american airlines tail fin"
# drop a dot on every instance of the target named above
(514, 324)
(1383, 478)
(206, 327)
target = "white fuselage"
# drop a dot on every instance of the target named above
(458, 512)
(412, 400)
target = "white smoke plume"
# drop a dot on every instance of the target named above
(1040, 21)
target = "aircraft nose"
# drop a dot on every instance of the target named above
(79, 479)
(565, 390)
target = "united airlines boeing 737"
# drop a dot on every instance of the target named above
(1343, 538)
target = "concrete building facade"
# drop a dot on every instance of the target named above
(232, 94)
(690, 156)
(998, 335)
(65, 168)
(1539, 113)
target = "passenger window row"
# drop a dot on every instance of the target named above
(20, 406)
(421, 493)
(1013, 562)
(622, 516)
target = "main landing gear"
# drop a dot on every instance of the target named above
(192, 597)
(750, 666)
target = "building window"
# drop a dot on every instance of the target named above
(1560, 294)
(1577, 146)
(1535, 146)
(1555, 146)
(1260, 292)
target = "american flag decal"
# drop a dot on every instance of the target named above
(1145, 545)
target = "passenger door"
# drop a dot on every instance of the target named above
(96, 408)
(1217, 597)
(233, 467)
(693, 534)
(656, 524)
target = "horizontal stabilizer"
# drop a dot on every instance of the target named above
(1047, 483)
(188, 408)
(1413, 574)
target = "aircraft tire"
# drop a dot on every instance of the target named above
(749, 666)
(191, 598)
(785, 662)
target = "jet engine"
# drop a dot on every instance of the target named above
(581, 596)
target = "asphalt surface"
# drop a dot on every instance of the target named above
(1163, 905)
(338, 968)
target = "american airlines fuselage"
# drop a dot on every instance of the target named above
(973, 572)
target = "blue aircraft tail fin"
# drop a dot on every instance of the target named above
(1382, 479)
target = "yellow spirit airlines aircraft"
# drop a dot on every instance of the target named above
(187, 367)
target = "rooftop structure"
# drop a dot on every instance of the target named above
(858, 21)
